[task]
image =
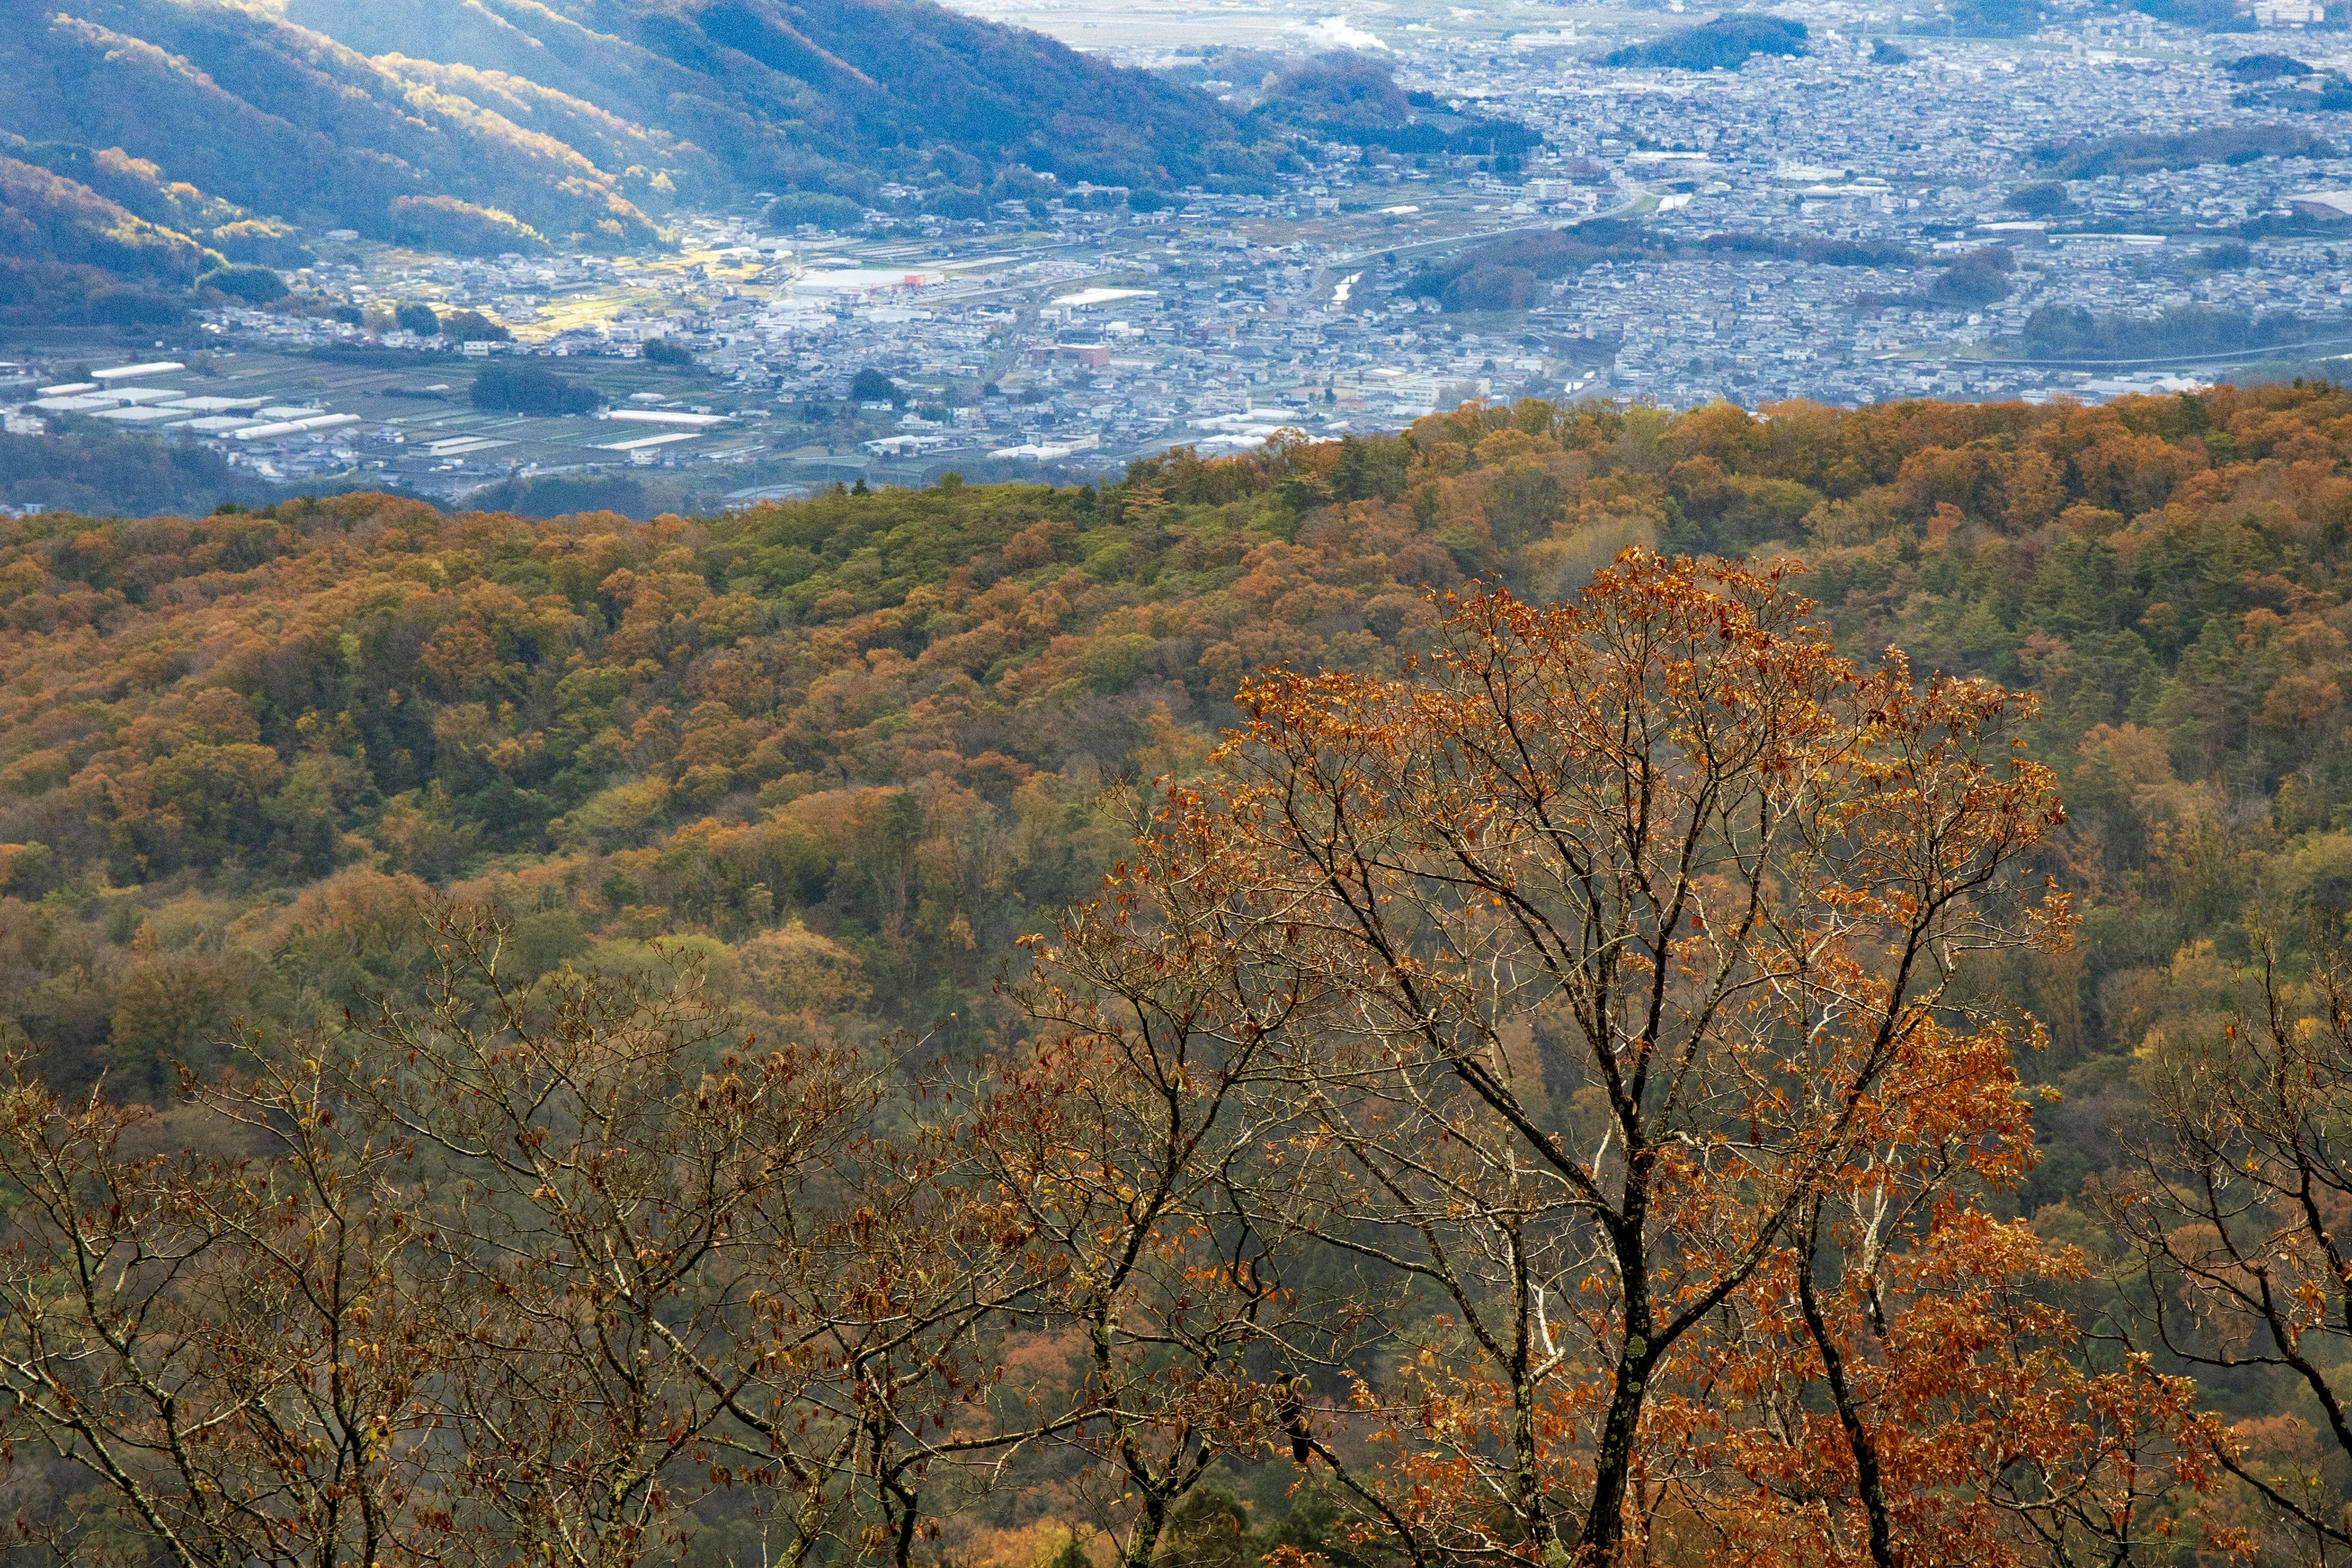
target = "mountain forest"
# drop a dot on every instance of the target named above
(1575, 985)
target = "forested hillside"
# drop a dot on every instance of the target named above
(876, 714)
(817, 94)
(841, 755)
(133, 133)
(283, 122)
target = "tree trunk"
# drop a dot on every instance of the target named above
(1869, 1478)
(1604, 1526)
(1527, 1450)
(1143, 1540)
(1152, 1491)
(1604, 1529)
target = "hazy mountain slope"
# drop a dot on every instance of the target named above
(285, 120)
(707, 135)
(1000, 95)
(48, 218)
(95, 239)
(607, 139)
(494, 124)
(134, 182)
(897, 85)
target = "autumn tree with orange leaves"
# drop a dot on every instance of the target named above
(1913, 1380)
(1606, 954)
(1560, 1098)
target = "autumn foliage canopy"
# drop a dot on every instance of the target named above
(1373, 1004)
(1608, 970)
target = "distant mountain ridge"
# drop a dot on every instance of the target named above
(508, 124)
(818, 93)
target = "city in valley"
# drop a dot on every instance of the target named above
(2101, 202)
